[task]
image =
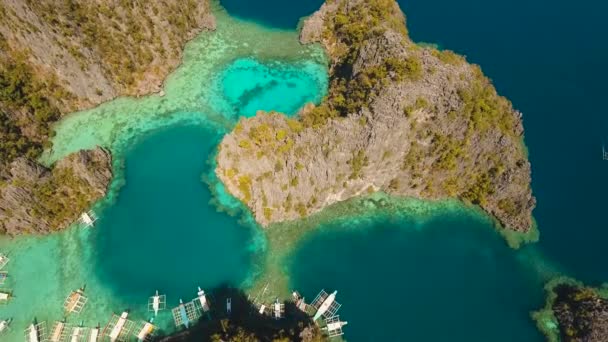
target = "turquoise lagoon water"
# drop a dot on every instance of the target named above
(439, 273)
(249, 86)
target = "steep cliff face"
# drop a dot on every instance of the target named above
(34, 199)
(399, 118)
(61, 56)
(101, 49)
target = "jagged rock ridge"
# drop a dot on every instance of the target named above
(400, 118)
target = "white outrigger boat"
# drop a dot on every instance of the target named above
(88, 219)
(4, 297)
(5, 325)
(278, 309)
(334, 326)
(146, 332)
(75, 301)
(300, 301)
(326, 305)
(35, 332)
(118, 328)
(94, 334)
(185, 313)
(77, 334)
(58, 333)
(157, 303)
(202, 300)
(3, 260)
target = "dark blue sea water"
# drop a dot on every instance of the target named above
(452, 281)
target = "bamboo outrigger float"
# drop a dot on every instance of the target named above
(75, 301)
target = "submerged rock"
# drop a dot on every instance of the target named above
(34, 199)
(399, 118)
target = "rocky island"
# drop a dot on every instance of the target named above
(574, 312)
(56, 58)
(400, 118)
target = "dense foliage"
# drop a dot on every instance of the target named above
(24, 105)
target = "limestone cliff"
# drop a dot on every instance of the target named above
(60, 56)
(34, 199)
(399, 118)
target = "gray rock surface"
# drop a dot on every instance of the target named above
(66, 43)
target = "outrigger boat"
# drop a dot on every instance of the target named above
(157, 303)
(4, 297)
(78, 333)
(58, 332)
(334, 326)
(118, 328)
(3, 260)
(146, 331)
(325, 304)
(180, 315)
(75, 301)
(300, 302)
(278, 309)
(88, 218)
(35, 332)
(94, 334)
(5, 324)
(202, 300)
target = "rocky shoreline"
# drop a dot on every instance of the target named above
(574, 312)
(402, 119)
